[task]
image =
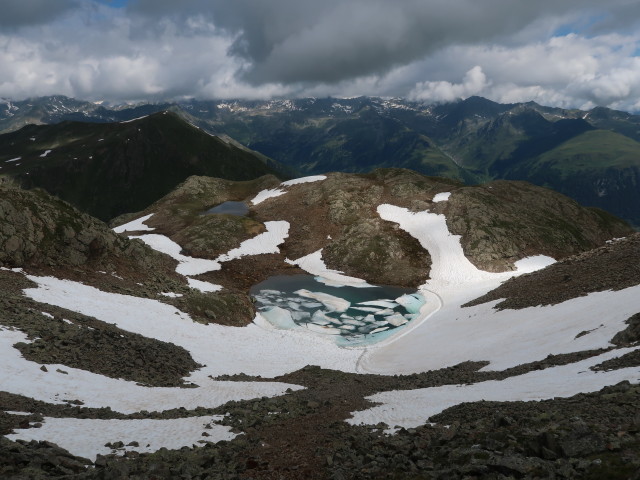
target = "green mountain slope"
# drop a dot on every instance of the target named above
(598, 168)
(110, 169)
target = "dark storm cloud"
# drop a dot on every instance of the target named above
(291, 41)
(18, 13)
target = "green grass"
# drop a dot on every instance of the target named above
(593, 150)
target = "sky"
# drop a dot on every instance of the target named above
(567, 53)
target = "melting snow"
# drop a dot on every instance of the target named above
(13, 160)
(266, 242)
(410, 408)
(23, 377)
(452, 334)
(46, 152)
(314, 265)
(135, 225)
(134, 119)
(310, 179)
(87, 437)
(265, 194)
(204, 287)
(186, 265)
(223, 349)
(441, 197)
(276, 192)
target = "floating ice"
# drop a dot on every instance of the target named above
(322, 329)
(380, 303)
(396, 320)
(412, 302)
(332, 303)
(279, 318)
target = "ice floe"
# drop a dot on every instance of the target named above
(334, 312)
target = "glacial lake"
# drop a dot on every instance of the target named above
(354, 315)
(239, 209)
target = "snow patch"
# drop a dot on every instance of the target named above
(314, 265)
(86, 438)
(310, 179)
(135, 225)
(46, 152)
(276, 192)
(204, 287)
(135, 119)
(224, 350)
(441, 197)
(265, 194)
(186, 265)
(264, 243)
(411, 408)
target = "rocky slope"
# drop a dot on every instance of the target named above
(591, 156)
(128, 328)
(499, 222)
(110, 169)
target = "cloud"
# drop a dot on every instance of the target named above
(298, 41)
(18, 13)
(432, 50)
(474, 82)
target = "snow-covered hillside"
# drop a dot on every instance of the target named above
(438, 334)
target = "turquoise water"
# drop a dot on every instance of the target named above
(230, 208)
(353, 315)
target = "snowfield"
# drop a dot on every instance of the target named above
(276, 192)
(151, 435)
(443, 334)
(411, 408)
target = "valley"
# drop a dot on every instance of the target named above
(115, 336)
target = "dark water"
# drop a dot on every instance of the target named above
(230, 208)
(352, 324)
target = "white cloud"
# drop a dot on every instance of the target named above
(248, 49)
(474, 82)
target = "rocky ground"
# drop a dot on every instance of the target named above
(614, 266)
(303, 434)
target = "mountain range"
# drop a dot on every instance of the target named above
(176, 301)
(591, 156)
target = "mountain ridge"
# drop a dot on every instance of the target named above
(473, 140)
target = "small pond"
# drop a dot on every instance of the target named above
(354, 315)
(229, 208)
